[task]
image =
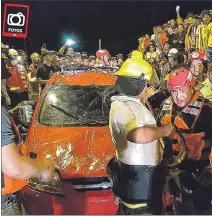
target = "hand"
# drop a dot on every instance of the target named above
(47, 171)
(148, 93)
(170, 130)
(151, 91)
(66, 43)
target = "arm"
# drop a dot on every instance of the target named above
(13, 164)
(136, 130)
(42, 82)
(62, 49)
(149, 134)
(19, 167)
(34, 79)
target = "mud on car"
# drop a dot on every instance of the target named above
(69, 126)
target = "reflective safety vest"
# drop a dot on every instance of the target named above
(194, 141)
(206, 89)
(18, 80)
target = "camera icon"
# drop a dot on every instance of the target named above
(16, 19)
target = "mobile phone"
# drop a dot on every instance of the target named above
(177, 8)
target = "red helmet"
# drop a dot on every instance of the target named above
(102, 52)
(198, 55)
(180, 78)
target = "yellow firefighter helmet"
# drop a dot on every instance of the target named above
(135, 67)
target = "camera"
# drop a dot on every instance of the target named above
(16, 19)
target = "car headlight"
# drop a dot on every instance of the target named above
(55, 186)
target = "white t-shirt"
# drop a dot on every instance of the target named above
(153, 37)
(126, 114)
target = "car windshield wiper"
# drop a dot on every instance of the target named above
(66, 112)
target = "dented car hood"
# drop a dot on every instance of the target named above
(75, 151)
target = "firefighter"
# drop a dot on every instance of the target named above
(17, 83)
(187, 110)
(102, 56)
(206, 86)
(135, 171)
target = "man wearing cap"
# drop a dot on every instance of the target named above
(137, 176)
(192, 114)
(46, 69)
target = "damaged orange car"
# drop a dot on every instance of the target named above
(70, 127)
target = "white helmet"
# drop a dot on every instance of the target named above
(172, 52)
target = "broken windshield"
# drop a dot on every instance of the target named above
(66, 105)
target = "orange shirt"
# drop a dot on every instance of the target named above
(163, 38)
(146, 43)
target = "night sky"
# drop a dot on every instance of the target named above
(117, 23)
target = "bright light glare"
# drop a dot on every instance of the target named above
(70, 42)
(53, 98)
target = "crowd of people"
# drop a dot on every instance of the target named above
(176, 59)
(28, 75)
(180, 42)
